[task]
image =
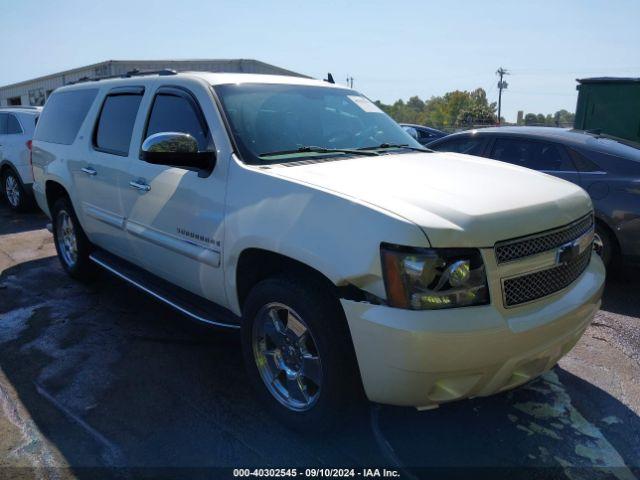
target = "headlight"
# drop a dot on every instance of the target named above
(429, 278)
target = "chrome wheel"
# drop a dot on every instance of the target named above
(598, 244)
(66, 238)
(287, 357)
(12, 190)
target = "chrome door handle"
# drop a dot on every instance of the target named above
(89, 171)
(139, 185)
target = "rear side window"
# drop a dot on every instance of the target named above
(63, 115)
(13, 126)
(115, 125)
(582, 163)
(466, 145)
(178, 113)
(531, 154)
(3, 123)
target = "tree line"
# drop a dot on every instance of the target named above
(462, 109)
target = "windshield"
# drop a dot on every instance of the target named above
(274, 123)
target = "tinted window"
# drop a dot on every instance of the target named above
(115, 125)
(63, 115)
(3, 123)
(582, 163)
(530, 154)
(424, 135)
(466, 145)
(173, 113)
(13, 126)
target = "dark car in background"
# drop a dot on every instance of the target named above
(607, 169)
(423, 134)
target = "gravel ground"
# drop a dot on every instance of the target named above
(98, 380)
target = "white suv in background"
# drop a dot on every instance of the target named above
(351, 258)
(17, 125)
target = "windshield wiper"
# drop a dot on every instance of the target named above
(396, 145)
(312, 149)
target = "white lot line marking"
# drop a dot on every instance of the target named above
(34, 448)
(564, 420)
(113, 455)
(384, 445)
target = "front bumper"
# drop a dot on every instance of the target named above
(423, 358)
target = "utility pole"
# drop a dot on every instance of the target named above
(350, 82)
(501, 84)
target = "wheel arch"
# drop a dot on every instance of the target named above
(257, 264)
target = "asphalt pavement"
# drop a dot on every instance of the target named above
(100, 380)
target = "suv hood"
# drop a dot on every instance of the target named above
(458, 200)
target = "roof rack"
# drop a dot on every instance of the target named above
(129, 74)
(25, 107)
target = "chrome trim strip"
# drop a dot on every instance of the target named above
(160, 297)
(182, 246)
(103, 216)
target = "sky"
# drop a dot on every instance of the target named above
(393, 49)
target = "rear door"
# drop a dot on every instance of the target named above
(13, 146)
(547, 157)
(175, 215)
(103, 172)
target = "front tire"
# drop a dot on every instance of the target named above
(603, 245)
(72, 245)
(298, 353)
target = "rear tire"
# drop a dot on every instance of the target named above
(72, 244)
(298, 353)
(13, 192)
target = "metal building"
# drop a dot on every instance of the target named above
(36, 91)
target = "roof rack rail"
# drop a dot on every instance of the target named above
(26, 107)
(129, 74)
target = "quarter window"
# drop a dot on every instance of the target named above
(178, 113)
(531, 154)
(62, 117)
(13, 125)
(115, 125)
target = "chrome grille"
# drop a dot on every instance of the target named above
(519, 248)
(545, 282)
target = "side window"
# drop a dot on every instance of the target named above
(13, 126)
(178, 113)
(115, 125)
(63, 115)
(424, 135)
(531, 154)
(466, 145)
(3, 123)
(582, 163)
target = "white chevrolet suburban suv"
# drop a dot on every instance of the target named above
(351, 258)
(16, 133)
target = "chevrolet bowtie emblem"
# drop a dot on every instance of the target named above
(571, 250)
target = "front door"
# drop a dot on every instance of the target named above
(175, 215)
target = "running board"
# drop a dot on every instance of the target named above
(193, 306)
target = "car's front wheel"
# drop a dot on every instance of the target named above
(72, 245)
(298, 353)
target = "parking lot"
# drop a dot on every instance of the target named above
(102, 376)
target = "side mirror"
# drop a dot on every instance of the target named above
(177, 150)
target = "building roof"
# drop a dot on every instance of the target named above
(238, 63)
(608, 80)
